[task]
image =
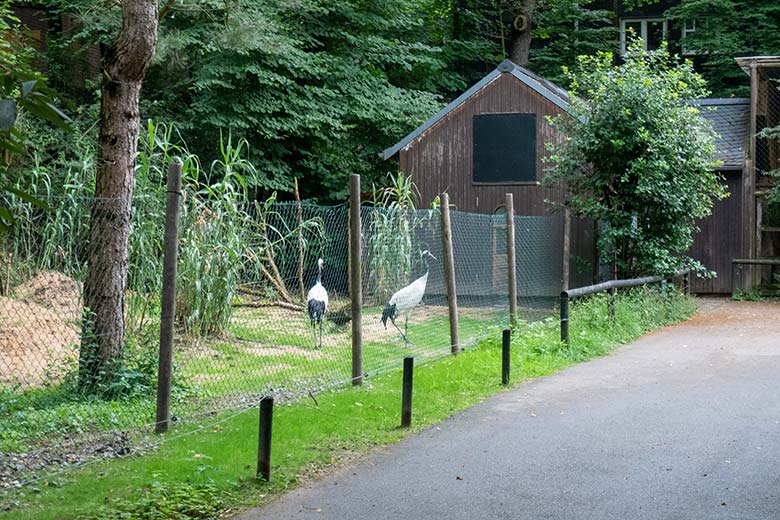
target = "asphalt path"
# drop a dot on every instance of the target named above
(682, 424)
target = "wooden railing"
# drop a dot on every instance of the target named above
(738, 263)
(611, 286)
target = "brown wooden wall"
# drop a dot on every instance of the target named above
(440, 160)
(720, 239)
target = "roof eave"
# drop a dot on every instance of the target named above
(746, 62)
(505, 66)
(389, 152)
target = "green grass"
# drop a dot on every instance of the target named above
(215, 465)
(266, 350)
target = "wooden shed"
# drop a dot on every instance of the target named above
(491, 141)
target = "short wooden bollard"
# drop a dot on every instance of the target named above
(505, 356)
(406, 398)
(264, 438)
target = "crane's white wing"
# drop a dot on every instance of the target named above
(411, 295)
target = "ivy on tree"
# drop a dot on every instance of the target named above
(639, 158)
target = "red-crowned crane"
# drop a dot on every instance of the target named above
(406, 299)
(317, 303)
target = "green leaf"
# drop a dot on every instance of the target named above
(28, 87)
(37, 105)
(31, 199)
(7, 114)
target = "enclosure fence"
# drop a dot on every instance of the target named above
(767, 165)
(246, 320)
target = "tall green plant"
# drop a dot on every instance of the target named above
(392, 243)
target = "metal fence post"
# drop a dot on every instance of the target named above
(565, 318)
(168, 305)
(449, 271)
(510, 258)
(355, 279)
(687, 283)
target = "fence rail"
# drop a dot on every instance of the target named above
(611, 286)
(737, 265)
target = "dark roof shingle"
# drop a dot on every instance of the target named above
(730, 118)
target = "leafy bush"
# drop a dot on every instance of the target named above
(640, 158)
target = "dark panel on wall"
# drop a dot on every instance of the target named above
(504, 148)
(441, 159)
(720, 239)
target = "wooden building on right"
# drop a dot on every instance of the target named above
(744, 225)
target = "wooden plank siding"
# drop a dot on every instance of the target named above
(440, 159)
(720, 239)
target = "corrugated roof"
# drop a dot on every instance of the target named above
(549, 90)
(730, 118)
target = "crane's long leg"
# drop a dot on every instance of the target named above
(406, 330)
(314, 332)
(399, 331)
(320, 332)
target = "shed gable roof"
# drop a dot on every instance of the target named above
(730, 118)
(546, 89)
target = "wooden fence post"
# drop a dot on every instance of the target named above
(406, 393)
(265, 430)
(355, 279)
(566, 248)
(510, 258)
(168, 311)
(506, 357)
(449, 271)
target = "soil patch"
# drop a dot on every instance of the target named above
(35, 343)
(54, 291)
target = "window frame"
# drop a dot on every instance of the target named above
(643, 30)
(685, 31)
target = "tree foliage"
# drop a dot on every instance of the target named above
(565, 29)
(639, 158)
(316, 87)
(23, 92)
(726, 29)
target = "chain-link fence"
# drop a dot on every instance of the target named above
(767, 168)
(256, 314)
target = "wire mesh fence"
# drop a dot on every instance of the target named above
(767, 163)
(246, 319)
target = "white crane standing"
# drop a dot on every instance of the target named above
(404, 300)
(317, 303)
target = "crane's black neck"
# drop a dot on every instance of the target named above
(425, 261)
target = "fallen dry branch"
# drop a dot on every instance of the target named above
(257, 305)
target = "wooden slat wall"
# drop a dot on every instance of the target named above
(441, 160)
(720, 239)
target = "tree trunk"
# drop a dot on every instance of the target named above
(520, 36)
(124, 68)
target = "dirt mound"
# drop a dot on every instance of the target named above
(55, 291)
(36, 345)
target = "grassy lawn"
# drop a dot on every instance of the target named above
(198, 471)
(267, 350)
